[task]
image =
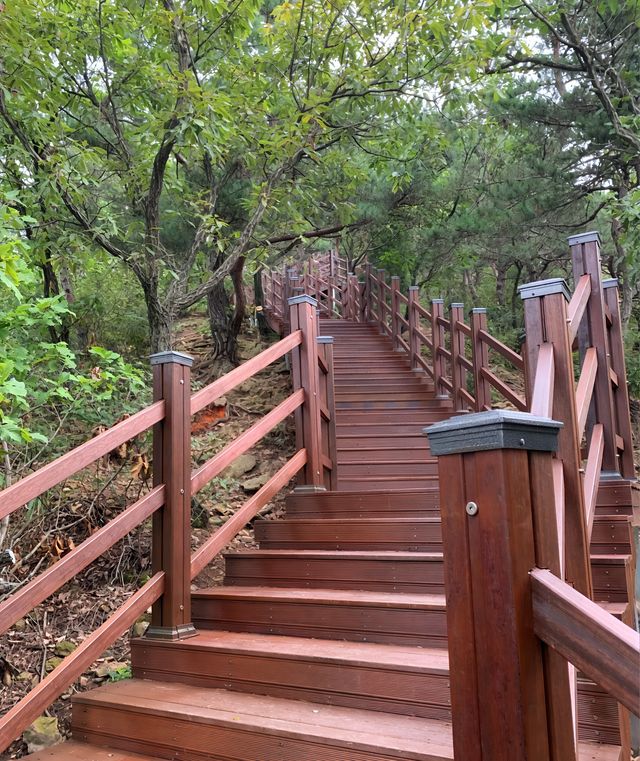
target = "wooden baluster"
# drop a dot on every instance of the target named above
(510, 696)
(395, 306)
(437, 337)
(367, 292)
(621, 393)
(171, 542)
(329, 445)
(458, 373)
(414, 322)
(545, 319)
(585, 254)
(382, 299)
(305, 372)
(480, 354)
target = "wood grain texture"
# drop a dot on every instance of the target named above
(602, 647)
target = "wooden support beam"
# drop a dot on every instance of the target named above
(545, 315)
(458, 372)
(593, 333)
(480, 354)
(621, 393)
(510, 697)
(305, 373)
(171, 544)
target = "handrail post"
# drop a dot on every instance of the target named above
(585, 254)
(171, 543)
(510, 696)
(437, 338)
(382, 302)
(621, 393)
(395, 303)
(414, 346)
(367, 292)
(480, 355)
(545, 319)
(327, 397)
(458, 373)
(305, 370)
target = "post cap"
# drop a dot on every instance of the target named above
(456, 305)
(437, 301)
(171, 357)
(495, 429)
(479, 310)
(544, 288)
(576, 240)
(324, 339)
(302, 299)
(414, 287)
(611, 282)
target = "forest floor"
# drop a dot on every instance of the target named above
(33, 647)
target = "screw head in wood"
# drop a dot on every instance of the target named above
(471, 508)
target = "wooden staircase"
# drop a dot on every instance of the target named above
(329, 642)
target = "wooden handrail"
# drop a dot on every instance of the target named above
(502, 388)
(603, 648)
(245, 441)
(422, 311)
(511, 356)
(45, 584)
(584, 389)
(228, 382)
(207, 551)
(542, 392)
(69, 464)
(577, 305)
(18, 718)
(463, 328)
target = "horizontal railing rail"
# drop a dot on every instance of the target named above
(602, 647)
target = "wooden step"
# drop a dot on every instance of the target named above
(609, 577)
(400, 534)
(382, 470)
(598, 719)
(347, 442)
(418, 418)
(366, 484)
(406, 572)
(402, 680)
(363, 427)
(611, 535)
(187, 722)
(79, 751)
(357, 616)
(382, 504)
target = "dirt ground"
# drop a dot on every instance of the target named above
(69, 514)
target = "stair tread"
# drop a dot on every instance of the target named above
(77, 751)
(390, 555)
(419, 659)
(397, 736)
(329, 596)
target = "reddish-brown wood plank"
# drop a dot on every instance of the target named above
(248, 369)
(44, 585)
(602, 647)
(207, 551)
(245, 441)
(55, 472)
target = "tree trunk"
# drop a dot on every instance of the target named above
(160, 324)
(225, 323)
